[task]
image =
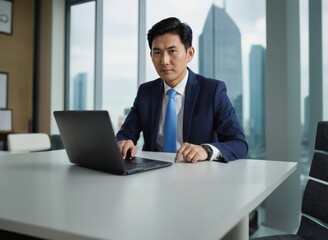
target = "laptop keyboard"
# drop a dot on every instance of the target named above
(133, 164)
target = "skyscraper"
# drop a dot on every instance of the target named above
(220, 54)
(256, 82)
(306, 119)
(80, 92)
(257, 101)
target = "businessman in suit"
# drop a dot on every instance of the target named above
(207, 125)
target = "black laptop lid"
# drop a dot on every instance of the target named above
(89, 140)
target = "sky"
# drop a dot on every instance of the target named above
(120, 45)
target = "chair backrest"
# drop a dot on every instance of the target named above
(28, 142)
(315, 199)
(321, 140)
(56, 142)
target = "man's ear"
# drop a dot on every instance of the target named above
(190, 53)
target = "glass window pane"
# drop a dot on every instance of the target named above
(120, 58)
(82, 56)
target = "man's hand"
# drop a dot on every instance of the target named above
(191, 153)
(127, 145)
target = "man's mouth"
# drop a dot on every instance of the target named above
(166, 70)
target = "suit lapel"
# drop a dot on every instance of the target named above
(191, 95)
(156, 107)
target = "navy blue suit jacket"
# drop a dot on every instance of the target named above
(208, 117)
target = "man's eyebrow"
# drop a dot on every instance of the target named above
(171, 47)
(168, 48)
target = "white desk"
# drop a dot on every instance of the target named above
(4, 153)
(43, 195)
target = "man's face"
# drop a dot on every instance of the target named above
(170, 58)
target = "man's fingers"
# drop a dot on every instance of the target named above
(178, 155)
(133, 151)
(191, 153)
(126, 145)
(180, 152)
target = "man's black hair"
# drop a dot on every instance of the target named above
(171, 25)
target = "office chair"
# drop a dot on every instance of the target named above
(314, 220)
(56, 142)
(28, 142)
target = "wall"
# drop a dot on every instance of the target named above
(16, 58)
(51, 69)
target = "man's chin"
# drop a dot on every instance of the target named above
(168, 77)
(171, 82)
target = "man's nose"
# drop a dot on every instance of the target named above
(165, 59)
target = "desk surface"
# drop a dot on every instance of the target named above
(43, 195)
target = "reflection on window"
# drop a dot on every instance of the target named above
(82, 56)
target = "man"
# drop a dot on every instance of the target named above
(206, 125)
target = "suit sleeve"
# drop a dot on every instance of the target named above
(131, 127)
(231, 138)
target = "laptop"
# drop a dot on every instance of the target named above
(89, 140)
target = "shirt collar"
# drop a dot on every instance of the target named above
(180, 88)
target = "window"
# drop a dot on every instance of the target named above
(81, 55)
(120, 57)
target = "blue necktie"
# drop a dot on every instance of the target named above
(170, 124)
